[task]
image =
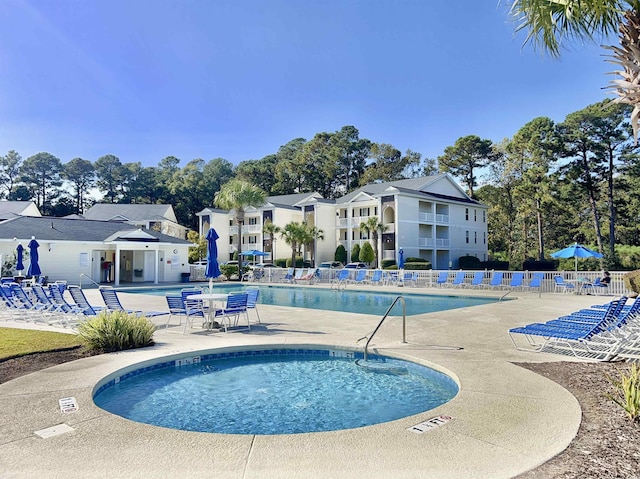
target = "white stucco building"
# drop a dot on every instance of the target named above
(429, 217)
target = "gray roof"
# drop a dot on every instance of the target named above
(413, 184)
(48, 228)
(290, 200)
(107, 211)
(11, 209)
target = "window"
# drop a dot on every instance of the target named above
(253, 239)
(484, 238)
(475, 215)
(253, 221)
(466, 214)
(475, 237)
(467, 237)
(484, 216)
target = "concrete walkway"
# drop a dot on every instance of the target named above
(506, 419)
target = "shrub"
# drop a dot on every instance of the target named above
(300, 263)
(627, 392)
(411, 259)
(116, 331)
(367, 255)
(281, 262)
(340, 254)
(388, 263)
(533, 265)
(468, 262)
(355, 253)
(499, 265)
(632, 281)
(418, 265)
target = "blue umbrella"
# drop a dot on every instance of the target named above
(401, 259)
(576, 251)
(34, 267)
(19, 265)
(212, 270)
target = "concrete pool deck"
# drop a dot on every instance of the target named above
(506, 419)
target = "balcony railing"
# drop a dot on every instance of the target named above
(433, 242)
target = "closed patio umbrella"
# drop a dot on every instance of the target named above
(34, 267)
(576, 251)
(20, 252)
(401, 259)
(212, 270)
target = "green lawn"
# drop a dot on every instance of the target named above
(18, 342)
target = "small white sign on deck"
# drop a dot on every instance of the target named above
(430, 424)
(53, 431)
(68, 404)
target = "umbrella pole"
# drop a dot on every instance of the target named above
(210, 285)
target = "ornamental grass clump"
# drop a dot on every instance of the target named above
(116, 331)
(627, 392)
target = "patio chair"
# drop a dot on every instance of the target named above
(236, 306)
(252, 301)
(410, 278)
(390, 277)
(194, 310)
(312, 276)
(597, 287)
(476, 281)
(176, 308)
(23, 301)
(81, 301)
(561, 285)
(70, 312)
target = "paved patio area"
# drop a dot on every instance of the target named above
(506, 420)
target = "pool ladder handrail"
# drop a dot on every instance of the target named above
(404, 324)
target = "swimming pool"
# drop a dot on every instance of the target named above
(350, 301)
(274, 391)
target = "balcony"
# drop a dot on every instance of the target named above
(433, 242)
(430, 217)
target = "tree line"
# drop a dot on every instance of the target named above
(332, 164)
(548, 186)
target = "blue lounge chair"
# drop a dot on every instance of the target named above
(112, 302)
(458, 280)
(476, 281)
(342, 278)
(376, 278)
(361, 277)
(81, 301)
(442, 278)
(287, 278)
(536, 281)
(496, 280)
(581, 338)
(516, 280)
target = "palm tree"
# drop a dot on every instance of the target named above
(238, 195)
(548, 22)
(270, 229)
(372, 227)
(312, 233)
(294, 235)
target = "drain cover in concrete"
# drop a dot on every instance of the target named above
(430, 424)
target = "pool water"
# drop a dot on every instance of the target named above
(277, 392)
(350, 301)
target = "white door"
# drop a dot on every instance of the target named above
(149, 265)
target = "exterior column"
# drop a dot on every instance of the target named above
(155, 267)
(116, 265)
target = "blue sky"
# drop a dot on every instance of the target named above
(145, 79)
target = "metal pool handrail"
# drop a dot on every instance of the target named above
(404, 324)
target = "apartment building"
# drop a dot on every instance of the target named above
(429, 217)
